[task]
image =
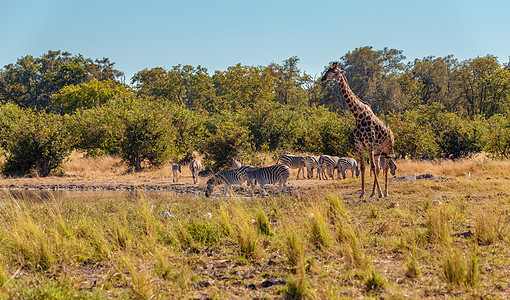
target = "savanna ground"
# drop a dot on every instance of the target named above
(442, 238)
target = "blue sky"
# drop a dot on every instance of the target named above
(136, 35)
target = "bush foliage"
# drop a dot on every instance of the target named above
(436, 107)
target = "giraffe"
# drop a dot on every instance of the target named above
(370, 132)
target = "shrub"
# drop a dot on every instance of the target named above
(139, 131)
(226, 138)
(35, 141)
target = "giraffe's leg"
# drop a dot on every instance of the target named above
(385, 170)
(376, 181)
(362, 169)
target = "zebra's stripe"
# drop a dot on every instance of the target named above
(268, 175)
(293, 162)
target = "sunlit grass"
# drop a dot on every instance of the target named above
(425, 240)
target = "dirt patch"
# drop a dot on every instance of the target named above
(142, 182)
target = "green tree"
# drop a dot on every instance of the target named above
(289, 82)
(88, 95)
(183, 85)
(371, 76)
(498, 86)
(496, 138)
(31, 81)
(472, 79)
(242, 86)
(435, 80)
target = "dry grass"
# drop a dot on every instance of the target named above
(430, 238)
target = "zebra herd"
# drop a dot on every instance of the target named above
(325, 165)
(276, 174)
(279, 173)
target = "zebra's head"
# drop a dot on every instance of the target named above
(209, 190)
(210, 184)
(393, 167)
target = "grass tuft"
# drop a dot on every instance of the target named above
(374, 281)
(295, 249)
(336, 207)
(437, 225)
(247, 238)
(489, 226)
(262, 223)
(412, 268)
(319, 230)
(458, 269)
(350, 245)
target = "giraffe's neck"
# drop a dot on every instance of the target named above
(354, 103)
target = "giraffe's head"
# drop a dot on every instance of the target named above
(334, 72)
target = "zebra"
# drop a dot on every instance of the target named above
(272, 175)
(195, 167)
(311, 162)
(347, 163)
(293, 162)
(228, 177)
(380, 165)
(235, 163)
(327, 163)
(176, 168)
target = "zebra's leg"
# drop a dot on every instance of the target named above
(262, 184)
(280, 186)
(226, 188)
(252, 185)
